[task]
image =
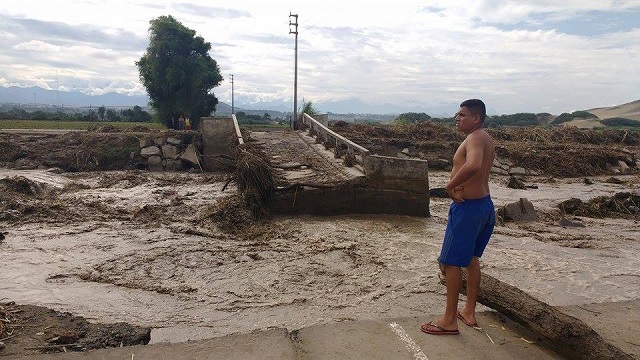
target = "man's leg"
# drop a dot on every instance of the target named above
(473, 287)
(453, 276)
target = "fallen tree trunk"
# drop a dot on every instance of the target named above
(570, 336)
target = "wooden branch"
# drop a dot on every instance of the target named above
(569, 335)
(227, 183)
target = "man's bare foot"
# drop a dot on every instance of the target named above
(468, 319)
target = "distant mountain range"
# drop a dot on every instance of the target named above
(39, 96)
(342, 109)
(43, 97)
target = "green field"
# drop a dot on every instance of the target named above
(73, 125)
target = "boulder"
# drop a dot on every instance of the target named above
(521, 210)
(190, 155)
(169, 151)
(516, 170)
(174, 141)
(150, 151)
(145, 143)
(159, 141)
(155, 163)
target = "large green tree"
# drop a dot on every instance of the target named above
(178, 72)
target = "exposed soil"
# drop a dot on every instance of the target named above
(187, 245)
(34, 330)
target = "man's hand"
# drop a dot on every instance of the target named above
(455, 193)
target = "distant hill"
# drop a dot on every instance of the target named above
(608, 116)
(629, 111)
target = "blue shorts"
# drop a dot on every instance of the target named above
(469, 227)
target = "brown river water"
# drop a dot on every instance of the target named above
(135, 248)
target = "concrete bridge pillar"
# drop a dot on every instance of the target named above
(219, 142)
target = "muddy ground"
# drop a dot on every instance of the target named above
(174, 255)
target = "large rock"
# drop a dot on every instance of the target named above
(172, 164)
(624, 168)
(145, 143)
(169, 151)
(518, 171)
(521, 210)
(150, 151)
(190, 154)
(174, 141)
(155, 163)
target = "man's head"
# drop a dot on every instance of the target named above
(476, 107)
(470, 116)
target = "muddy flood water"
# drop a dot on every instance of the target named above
(137, 247)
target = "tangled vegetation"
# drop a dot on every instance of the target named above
(622, 205)
(554, 151)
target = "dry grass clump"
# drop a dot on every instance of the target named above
(256, 182)
(256, 185)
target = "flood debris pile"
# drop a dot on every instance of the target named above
(72, 151)
(557, 151)
(20, 197)
(107, 148)
(256, 185)
(621, 205)
(256, 182)
(31, 330)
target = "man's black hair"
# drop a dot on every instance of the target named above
(476, 106)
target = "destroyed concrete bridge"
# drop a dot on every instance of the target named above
(325, 172)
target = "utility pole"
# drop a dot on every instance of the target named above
(57, 88)
(232, 106)
(295, 72)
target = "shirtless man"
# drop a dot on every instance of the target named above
(470, 221)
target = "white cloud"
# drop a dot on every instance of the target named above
(36, 45)
(410, 52)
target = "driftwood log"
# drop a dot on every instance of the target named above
(569, 336)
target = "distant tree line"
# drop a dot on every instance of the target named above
(566, 117)
(411, 118)
(135, 114)
(521, 119)
(250, 119)
(518, 119)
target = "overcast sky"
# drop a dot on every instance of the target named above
(519, 56)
